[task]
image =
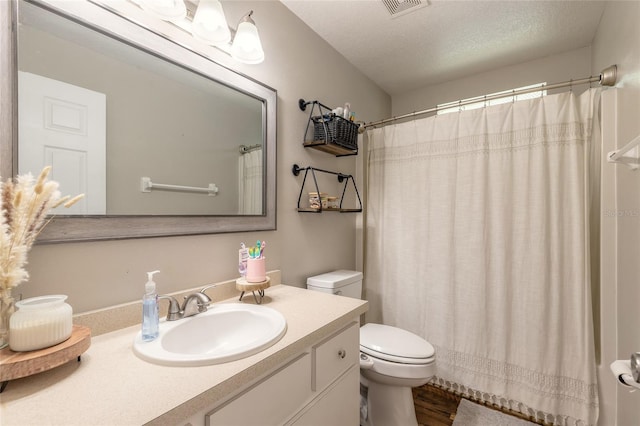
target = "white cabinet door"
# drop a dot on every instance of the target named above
(338, 406)
(272, 401)
(320, 387)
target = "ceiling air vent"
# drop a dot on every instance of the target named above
(402, 7)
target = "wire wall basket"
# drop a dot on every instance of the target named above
(330, 132)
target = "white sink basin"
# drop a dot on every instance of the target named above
(226, 332)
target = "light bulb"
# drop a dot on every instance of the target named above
(210, 24)
(246, 45)
(167, 10)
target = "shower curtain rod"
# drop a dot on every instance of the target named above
(607, 77)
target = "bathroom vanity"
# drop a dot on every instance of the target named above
(320, 386)
(310, 376)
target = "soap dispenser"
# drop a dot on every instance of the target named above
(150, 315)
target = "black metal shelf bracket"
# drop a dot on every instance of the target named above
(302, 104)
(341, 178)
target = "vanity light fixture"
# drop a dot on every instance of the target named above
(167, 10)
(209, 23)
(205, 20)
(246, 46)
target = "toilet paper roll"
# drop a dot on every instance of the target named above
(622, 370)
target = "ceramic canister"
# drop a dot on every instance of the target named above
(40, 322)
(256, 270)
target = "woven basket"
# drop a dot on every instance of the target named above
(336, 130)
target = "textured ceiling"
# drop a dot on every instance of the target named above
(448, 39)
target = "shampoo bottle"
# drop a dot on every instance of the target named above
(347, 110)
(150, 319)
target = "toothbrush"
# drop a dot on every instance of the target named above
(262, 246)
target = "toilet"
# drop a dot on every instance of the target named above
(392, 360)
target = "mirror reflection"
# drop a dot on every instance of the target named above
(110, 118)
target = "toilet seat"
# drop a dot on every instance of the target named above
(392, 372)
(395, 345)
(396, 359)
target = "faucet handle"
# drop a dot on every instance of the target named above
(195, 303)
(174, 307)
(208, 287)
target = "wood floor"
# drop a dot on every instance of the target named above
(437, 407)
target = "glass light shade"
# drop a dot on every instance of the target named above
(246, 46)
(167, 10)
(209, 23)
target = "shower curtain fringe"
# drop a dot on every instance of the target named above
(607, 77)
(506, 405)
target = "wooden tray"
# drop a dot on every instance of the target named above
(243, 285)
(14, 365)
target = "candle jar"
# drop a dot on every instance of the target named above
(40, 322)
(332, 203)
(315, 202)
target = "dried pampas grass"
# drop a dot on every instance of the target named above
(25, 205)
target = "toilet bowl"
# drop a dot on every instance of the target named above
(392, 360)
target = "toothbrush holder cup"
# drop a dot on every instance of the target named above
(256, 270)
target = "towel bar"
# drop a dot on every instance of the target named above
(146, 186)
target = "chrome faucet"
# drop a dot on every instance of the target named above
(194, 304)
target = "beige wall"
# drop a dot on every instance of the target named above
(618, 41)
(552, 69)
(620, 248)
(106, 273)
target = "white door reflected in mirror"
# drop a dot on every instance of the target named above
(64, 126)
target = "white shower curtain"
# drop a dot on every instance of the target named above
(250, 182)
(477, 240)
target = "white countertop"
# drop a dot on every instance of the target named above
(111, 386)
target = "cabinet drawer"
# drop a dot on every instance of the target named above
(271, 401)
(335, 355)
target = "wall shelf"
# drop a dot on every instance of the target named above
(332, 149)
(329, 132)
(341, 178)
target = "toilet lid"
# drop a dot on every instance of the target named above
(395, 344)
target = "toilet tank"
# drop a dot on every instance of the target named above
(341, 282)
